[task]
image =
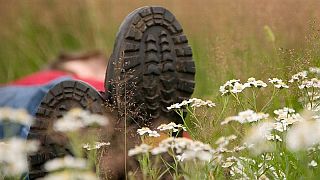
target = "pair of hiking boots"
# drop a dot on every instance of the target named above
(151, 67)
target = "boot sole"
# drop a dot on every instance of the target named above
(151, 66)
(61, 98)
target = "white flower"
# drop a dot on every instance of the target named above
(142, 149)
(146, 130)
(194, 102)
(313, 83)
(67, 162)
(252, 82)
(299, 76)
(247, 116)
(258, 137)
(313, 163)
(273, 137)
(13, 155)
(97, 145)
(278, 83)
(20, 116)
(186, 148)
(77, 119)
(171, 126)
(303, 135)
(286, 117)
(237, 88)
(315, 70)
(227, 164)
(143, 131)
(232, 86)
(174, 106)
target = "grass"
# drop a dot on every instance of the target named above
(230, 39)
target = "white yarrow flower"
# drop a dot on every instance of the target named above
(313, 163)
(13, 155)
(67, 162)
(77, 119)
(142, 149)
(247, 116)
(278, 83)
(299, 76)
(20, 116)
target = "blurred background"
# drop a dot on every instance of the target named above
(230, 39)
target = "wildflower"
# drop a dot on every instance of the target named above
(315, 70)
(142, 149)
(171, 126)
(232, 86)
(237, 88)
(286, 117)
(273, 137)
(227, 164)
(313, 83)
(299, 76)
(194, 102)
(19, 116)
(223, 141)
(299, 136)
(198, 102)
(278, 83)
(13, 159)
(257, 136)
(67, 162)
(252, 82)
(247, 116)
(187, 148)
(146, 130)
(77, 118)
(79, 175)
(97, 145)
(313, 163)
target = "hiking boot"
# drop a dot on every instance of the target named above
(151, 66)
(61, 98)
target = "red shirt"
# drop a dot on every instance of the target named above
(43, 77)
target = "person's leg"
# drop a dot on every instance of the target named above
(151, 68)
(62, 97)
(24, 97)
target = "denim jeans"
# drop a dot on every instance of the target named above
(24, 97)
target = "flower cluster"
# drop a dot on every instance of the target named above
(286, 117)
(299, 76)
(258, 137)
(171, 127)
(238, 168)
(183, 148)
(96, 145)
(314, 70)
(232, 86)
(278, 83)
(247, 116)
(19, 116)
(194, 102)
(235, 86)
(146, 130)
(313, 83)
(252, 82)
(67, 162)
(13, 156)
(141, 149)
(77, 118)
(186, 149)
(303, 135)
